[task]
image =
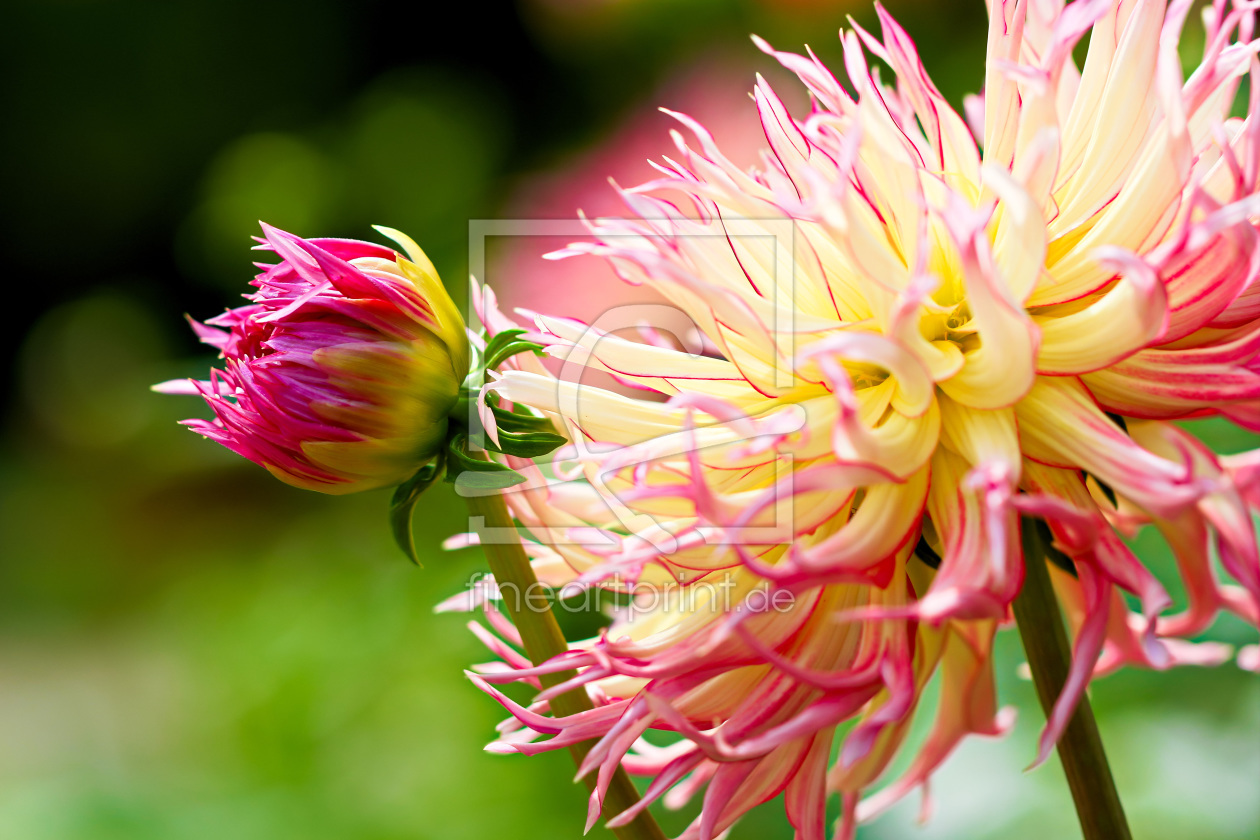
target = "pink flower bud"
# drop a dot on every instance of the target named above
(340, 372)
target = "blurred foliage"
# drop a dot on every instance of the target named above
(189, 649)
(418, 150)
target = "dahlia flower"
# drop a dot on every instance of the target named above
(341, 371)
(972, 322)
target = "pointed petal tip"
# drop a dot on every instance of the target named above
(593, 808)
(179, 387)
(499, 748)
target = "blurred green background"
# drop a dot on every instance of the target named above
(189, 649)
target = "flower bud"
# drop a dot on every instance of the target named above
(340, 373)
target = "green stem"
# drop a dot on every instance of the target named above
(542, 639)
(1080, 748)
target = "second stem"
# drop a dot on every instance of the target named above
(542, 639)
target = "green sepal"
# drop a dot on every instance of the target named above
(519, 420)
(506, 344)
(465, 471)
(516, 422)
(499, 480)
(526, 445)
(404, 502)
(521, 432)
